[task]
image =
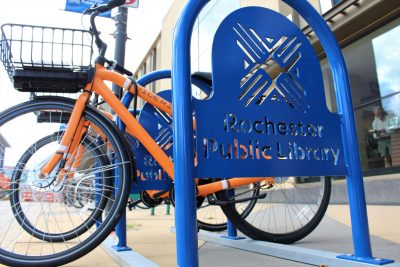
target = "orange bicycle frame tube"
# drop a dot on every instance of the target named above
(76, 150)
(208, 189)
(110, 116)
(131, 123)
(77, 157)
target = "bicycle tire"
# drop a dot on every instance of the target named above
(212, 219)
(70, 198)
(43, 253)
(257, 225)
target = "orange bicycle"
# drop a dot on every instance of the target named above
(49, 158)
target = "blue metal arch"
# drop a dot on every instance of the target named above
(152, 77)
(183, 149)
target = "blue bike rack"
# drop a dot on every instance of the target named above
(120, 229)
(184, 169)
(231, 229)
(140, 152)
(126, 100)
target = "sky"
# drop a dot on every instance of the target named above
(144, 24)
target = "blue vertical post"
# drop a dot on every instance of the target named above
(98, 187)
(185, 191)
(232, 231)
(358, 210)
(120, 229)
(97, 198)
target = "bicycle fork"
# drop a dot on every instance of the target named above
(69, 142)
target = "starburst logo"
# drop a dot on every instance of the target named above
(271, 70)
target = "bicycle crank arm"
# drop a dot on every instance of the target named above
(131, 205)
(213, 201)
(160, 194)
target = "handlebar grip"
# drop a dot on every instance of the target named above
(106, 7)
(115, 3)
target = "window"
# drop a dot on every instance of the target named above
(203, 35)
(328, 4)
(1, 158)
(153, 67)
(144, 68)
(154, 59)
(204, 30)
(373, 63)
(334, 2)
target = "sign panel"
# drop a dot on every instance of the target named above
(79, 6)
(150, 175)
(267, 115)
(132, 3)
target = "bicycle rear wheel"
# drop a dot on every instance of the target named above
(40, 201)
(291, 210)
(210, 217)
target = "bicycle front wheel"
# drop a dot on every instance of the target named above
(38, 226)
(291, 210)
(80, 190)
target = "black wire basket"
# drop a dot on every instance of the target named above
(46, 59)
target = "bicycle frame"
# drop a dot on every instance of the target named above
(70, 141)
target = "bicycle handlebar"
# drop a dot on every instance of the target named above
(94, 11)
(102, 46)
(115, 3)
(104, 8)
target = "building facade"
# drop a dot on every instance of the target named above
(369, 34)
(3, 146)
(4, 177)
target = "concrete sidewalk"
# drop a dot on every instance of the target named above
(150, 236)
(333, 234)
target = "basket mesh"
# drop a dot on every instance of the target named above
(46, 59)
